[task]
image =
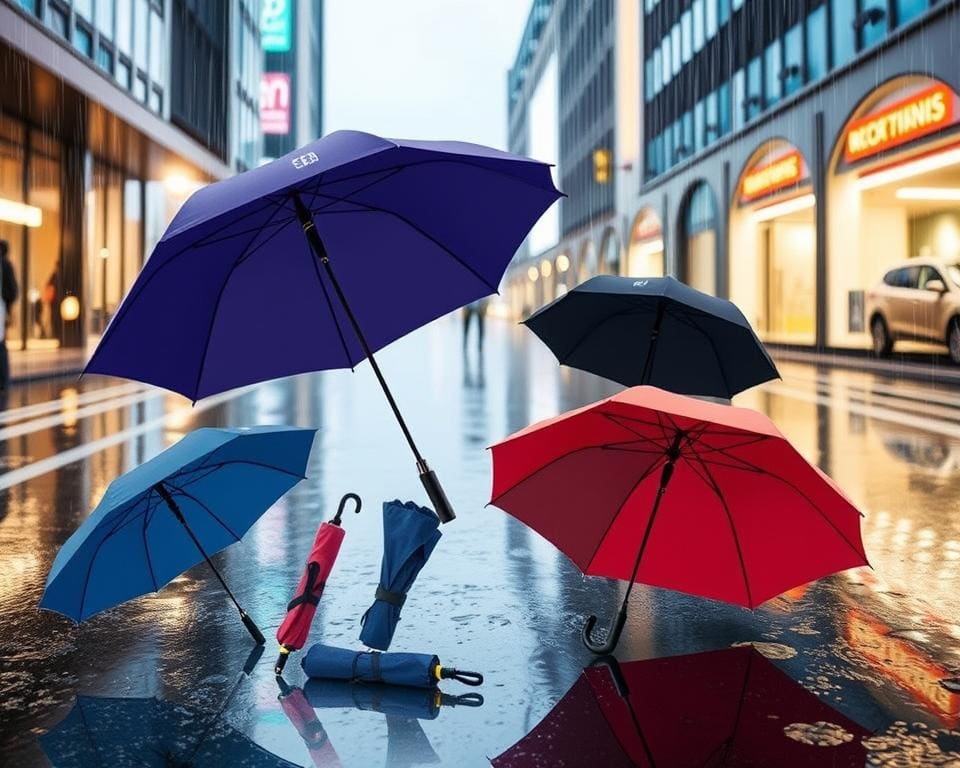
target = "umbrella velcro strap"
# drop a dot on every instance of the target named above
(306, 597)
(393, 598)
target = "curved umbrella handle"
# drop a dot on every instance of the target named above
(343, 503)
(461, 676)
(613, 634)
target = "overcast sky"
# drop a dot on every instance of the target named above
(425, 69)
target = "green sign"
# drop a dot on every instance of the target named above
(275, 25)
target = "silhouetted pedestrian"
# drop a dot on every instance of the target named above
(476, 308)
(8, 295)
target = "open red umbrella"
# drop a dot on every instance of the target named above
(292, 633)
(667, 490)
(730, 707)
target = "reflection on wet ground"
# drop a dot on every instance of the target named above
(877, 647)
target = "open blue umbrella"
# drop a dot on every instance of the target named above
(410, 534)
(351, 241)
(420, 670)
(165, 516)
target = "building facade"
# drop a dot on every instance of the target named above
(792, 153)
(291, 86)
(111, 113)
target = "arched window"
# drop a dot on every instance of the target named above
(699, 239)
(645, 255)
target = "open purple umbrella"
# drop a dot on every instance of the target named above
(241, 288)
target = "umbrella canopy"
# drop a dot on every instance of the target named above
(149, 733)
(421, 670)
(299, 712)
(353, 238)
(728, 707)
(676, 492)
(410, 534)
(170, 513)
(654, 330)
(292, 633)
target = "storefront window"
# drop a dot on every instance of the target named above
(793, 59)
(817, 64)
(875, 21)
(843, 13)
(908, 10)
(700, 239)
(132, 231)
(38, 290)
(11, 226)
(104, 251)
(645, 253)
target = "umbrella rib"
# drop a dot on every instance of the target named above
(223, 287)
(417, 228)
(131, 297)
(245, 462)
(725, 448)
(750, 467)
(146, 548)
(617, 419)
(643, 476)
(540, 469)
(93, 559)
(206, 509)
(733, 530)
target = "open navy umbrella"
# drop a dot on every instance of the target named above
(320, 258)
(410, 534)
(420, 670)
(654, 330)
(149, 733)
(195, 498)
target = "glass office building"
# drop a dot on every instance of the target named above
(791, 153)
(102, 137)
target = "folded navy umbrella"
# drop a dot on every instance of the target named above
(410, 533)
(421, 670)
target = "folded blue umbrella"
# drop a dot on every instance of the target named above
(170, 513)
(410, 533)
(358, 238)
(149, 733)
(421, 670)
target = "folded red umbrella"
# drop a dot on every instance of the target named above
(292, 633)
(730, 707)
(675, 492)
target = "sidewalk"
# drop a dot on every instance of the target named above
(31, 364)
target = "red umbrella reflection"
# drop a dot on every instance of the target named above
(300, 713)
(292, 633)
(729, 707)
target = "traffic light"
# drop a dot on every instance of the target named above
(602, 165)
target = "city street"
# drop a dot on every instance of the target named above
(495, 597)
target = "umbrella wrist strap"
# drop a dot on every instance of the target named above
(396, 599)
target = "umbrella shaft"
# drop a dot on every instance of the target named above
(652, 348)
(316, 244)
(177, 513)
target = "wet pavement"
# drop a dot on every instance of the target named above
(876, 645)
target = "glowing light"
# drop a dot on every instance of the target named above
(104, 253)
(563, 262)
(792, 205)
(20, 213)
(533, 273)
(70, 308)
(561, 290)
(649, 248)
(179, 184)
(546, 268)
(909, 169)
(929, 193)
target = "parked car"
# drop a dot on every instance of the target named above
(919, 301)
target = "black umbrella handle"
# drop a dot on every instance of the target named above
(461, 676)
(613, 634)
(463, 700)
(343, 504)
(431, 484)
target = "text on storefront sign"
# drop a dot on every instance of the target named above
(920, 114)
(779, 173)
